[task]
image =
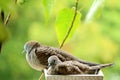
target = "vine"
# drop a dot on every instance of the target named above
(72, 23)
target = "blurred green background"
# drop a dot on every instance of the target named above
(35, 20)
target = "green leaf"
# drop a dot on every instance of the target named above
(3, 33)
(8, 6)
(63, 23)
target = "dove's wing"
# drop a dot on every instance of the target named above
(67, 68)
(44, 52)
(67, 56)
(80, 65)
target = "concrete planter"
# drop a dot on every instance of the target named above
(99, 76)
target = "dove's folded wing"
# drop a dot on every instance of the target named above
(67, 68)
(67, 56)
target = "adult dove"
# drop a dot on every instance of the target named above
(37, 55)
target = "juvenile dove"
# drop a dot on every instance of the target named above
(56, 66)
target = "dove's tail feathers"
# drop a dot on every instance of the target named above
(95, 69)
(105, 65)
(101, 66)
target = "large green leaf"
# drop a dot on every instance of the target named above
(63, 23)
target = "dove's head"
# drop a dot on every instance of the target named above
(53, 60)
(31, 45)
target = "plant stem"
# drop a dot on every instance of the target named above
(72, 23)
(7, 19)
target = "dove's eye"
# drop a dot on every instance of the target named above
(53, 61)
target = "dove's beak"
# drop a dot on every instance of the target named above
(49, 65)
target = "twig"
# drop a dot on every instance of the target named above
(7, 19)
(71, 25)
(9, 15)
(41, 76)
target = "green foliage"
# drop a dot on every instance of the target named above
(3, 33)
(8, 5)
(97, 42)
(63, 23)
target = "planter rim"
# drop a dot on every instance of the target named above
(100, 73)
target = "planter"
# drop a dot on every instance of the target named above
(99, 76)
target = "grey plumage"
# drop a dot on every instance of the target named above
(72, 67)
(37, 55)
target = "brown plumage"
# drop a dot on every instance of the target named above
(56, 66)
(37, 55)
